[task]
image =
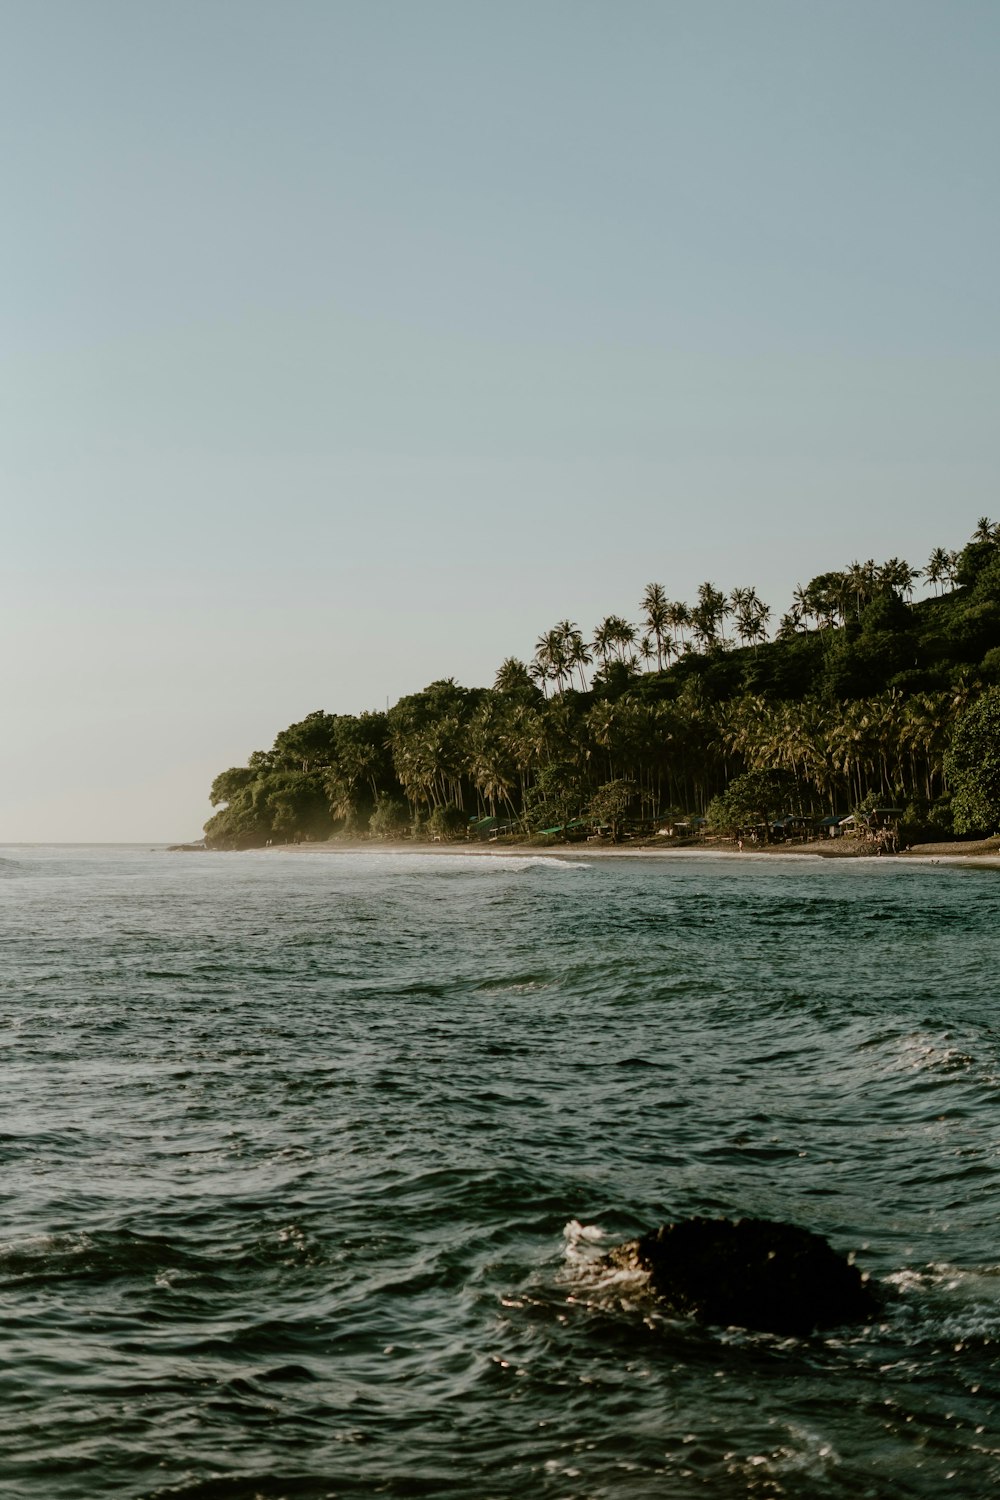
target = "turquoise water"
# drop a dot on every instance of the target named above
(308, 1160)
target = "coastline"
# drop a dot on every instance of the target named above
(984, 853)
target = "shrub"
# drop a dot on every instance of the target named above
(447, 823)
(389, 820)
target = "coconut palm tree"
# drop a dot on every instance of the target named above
(936, 571)
(538, 671)
(802, 603)
(750, 615)
(708, 615)
(512, 676)
(898, 575)
(655, 614)
(602, 726)
(679, 620)
(490, 763)
(552, 654)
(574, 650)
(790, 623)
(603, 642)
(624, 636)
(859, 583)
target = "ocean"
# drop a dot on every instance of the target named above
(310, 1159)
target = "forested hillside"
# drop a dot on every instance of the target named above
(861, 697)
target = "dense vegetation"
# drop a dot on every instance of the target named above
(862, 698)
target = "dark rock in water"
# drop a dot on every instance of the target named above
(751, 1273)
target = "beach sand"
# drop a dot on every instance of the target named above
(984, 852)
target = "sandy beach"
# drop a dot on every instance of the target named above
(984, 852)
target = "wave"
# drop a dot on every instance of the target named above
(943, 1304)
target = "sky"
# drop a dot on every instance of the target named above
(350, 344)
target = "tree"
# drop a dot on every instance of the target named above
(754, 797)
(656, 617)
(514, 677)
(896, 574)
(557, 796)
(708, 615)
(448, 823)
(863, 706)
(614, 639)
(750, 615)
(228, 785)
(824, 597)
(550, 659)
(937, 569)
(972, 766)
(679, 619)
(610, 803)
(574, 650)
(296, 806)
(308, 744)
(389, 820)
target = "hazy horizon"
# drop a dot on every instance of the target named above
(351, 346)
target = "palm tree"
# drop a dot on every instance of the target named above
(678, 618)
(574, 650)
(802, 604)
(986, 530)
(601, 724)
(897, 574)
(490, 763)
(751, 615)
(541, 667)
(612, 638)
(603, 641)
(624, 636)
(552, 654)
(824, 596)
(936, 570)
(790, 623)
(860, 582)
(708, 615)
(656, 611)
(512, 676)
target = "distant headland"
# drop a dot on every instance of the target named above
(868, 717)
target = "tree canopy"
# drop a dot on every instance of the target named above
(862, 692)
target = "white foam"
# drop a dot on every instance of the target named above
(584, 1256)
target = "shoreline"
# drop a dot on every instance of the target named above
(984, 853)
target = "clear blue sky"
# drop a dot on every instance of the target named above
(347, 345)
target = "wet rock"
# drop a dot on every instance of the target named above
(751, 1273)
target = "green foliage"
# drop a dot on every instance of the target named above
(557, 797)
(857, 696)
(389, 819)
(610, 804)
(972, 629)
(975, 562)
(229, 785)
(926, 823)
(447, 823)
(755, 797)
(307, 745)
(972, 766)
(886, 614)
(269, 807)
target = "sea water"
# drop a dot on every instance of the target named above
(309, 1161)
